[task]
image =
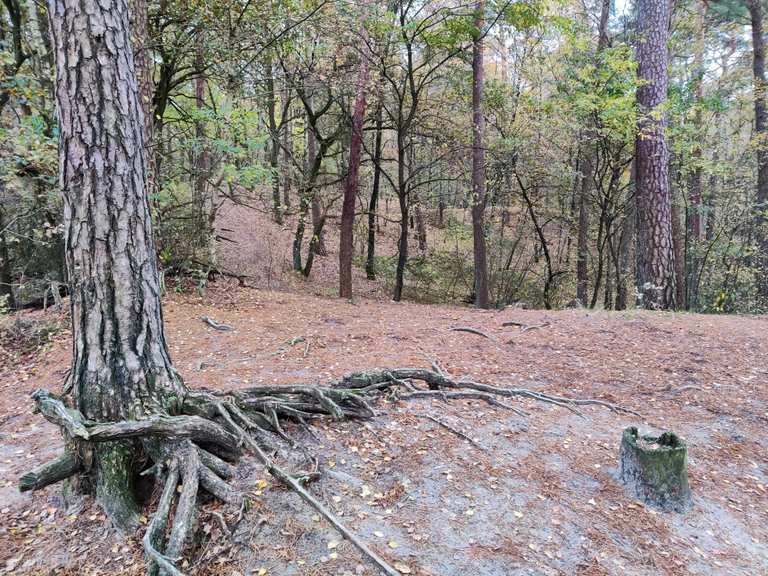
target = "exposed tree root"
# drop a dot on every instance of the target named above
(475, 331)
(216, 325)
(191, 448)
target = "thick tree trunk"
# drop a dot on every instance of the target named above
(370, 260)
(478, 164)
(350, 187)
(761, 125)
(120, 367)
(652, 156)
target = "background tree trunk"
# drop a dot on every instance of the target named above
(587, 167)
(142, 59)
(120, 365)
(478, 164)
(287, 160)
(350, 187)
(274, 143)
(370, 261)
(652, 156)
(761, 125)
(402, 197)
(204, 206)
(6, 276)
(318, 244)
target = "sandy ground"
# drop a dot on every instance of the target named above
(537, 495)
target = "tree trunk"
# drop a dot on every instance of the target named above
(120, 366)
(402, 250)
(478, 163)
(370, 260)
(318, 243)
(274, 143)
(350, 187)
(652, 156)
(624, 265)
(587, 168)
(203, 205)
(761, 125)
(6, 276)
(582, 243)
(402, 197)
(142, 59)
(421, 223)
(695, 195)
(287, 160)
(678, 242)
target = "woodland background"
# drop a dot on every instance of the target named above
(251, 114)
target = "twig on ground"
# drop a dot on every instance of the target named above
(216, 325)
(525, 327)
(473, 331)
(450, 428)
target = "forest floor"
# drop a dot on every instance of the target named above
(534, 495)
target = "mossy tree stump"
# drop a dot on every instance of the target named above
(655, 469)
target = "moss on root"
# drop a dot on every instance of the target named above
(114, 466)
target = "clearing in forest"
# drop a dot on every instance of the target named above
(440, 488)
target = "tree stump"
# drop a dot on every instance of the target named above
(655, 469)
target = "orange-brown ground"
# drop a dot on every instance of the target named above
(541, 499)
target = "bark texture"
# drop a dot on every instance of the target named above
(655, 245)
(120, 366)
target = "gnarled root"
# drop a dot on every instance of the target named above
(192, 448)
